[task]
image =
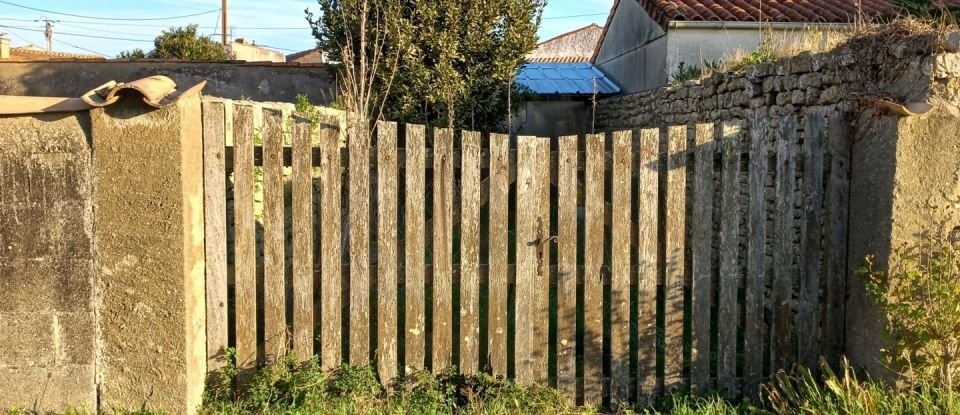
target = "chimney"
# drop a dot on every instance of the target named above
(4, 47)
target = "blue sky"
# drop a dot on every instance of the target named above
(276, 23)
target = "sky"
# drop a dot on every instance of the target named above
(105, 27)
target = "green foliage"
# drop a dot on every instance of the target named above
(454, 59)
(921, 297)
(802, 393)
(686, 72)
(288, 387)
(764, 53)
(181, 43)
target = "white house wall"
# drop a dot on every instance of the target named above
(634, 51)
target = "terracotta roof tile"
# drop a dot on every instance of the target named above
(574, 46)
(793, 11)
(33, 54)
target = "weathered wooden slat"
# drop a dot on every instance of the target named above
(701, 247)
(302, 211)
(567, 266)
(215, 233)
(783, 337)
(414, 298)
(593, 272)
(359, 335)
(499, 193)
(470, 254)
(731, 209)
(807, 318)
(387, 204)
(835, 238)
(755, 330)
(244, 241)
(675, 256)
(620, 269)
(527, 196)
(274, 291)
(540, 310)
(442, 249)
(648, 170)
(331, 251)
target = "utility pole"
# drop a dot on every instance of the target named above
(223, 18)
(48, 30)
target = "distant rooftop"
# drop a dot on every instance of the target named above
(580, 78)
(30, 52)
(574, 46)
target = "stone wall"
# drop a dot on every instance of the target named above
(278, 82)
(843, 79)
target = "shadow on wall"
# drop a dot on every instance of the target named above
(277, 83)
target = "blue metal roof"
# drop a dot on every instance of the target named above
(565, 79)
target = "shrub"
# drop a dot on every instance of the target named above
(920, 295)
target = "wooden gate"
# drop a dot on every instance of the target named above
(613, 266)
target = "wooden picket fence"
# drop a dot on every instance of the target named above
(613, 266)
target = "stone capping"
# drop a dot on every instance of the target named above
(902, 72)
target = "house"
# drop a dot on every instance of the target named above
(243, 50)
(564, 82)
(30, 52)
(314, 55)
(644, 41)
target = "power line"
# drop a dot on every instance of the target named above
(81, 48)
(100, 30)
(217, 27)
(82, 35)
(108, 18)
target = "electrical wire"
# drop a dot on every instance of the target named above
(572, 16)
(99, 30)
(81, 35)
(79, 47)
(108, 18)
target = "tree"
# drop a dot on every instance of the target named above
(458, 57)
(181, 43)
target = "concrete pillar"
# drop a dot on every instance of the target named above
(148, 233)
(905, 184)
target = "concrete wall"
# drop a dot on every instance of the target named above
(634, 51)
(101, 259)
(47, 327)
(280, 83)
(554, 118)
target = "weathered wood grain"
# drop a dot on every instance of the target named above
(567, 266)
(470, 254)
(593, 272)
(835, 238)
(807, 318)
(731, 209)
(620, 269)
(414, 243)
(783, 338)
(527, 244)
(499, 193)
(540, 310)
(648, 171)
(701, 247)
(215, 233)
(331, 251)
(442, 249)
(244, 242)
(387, 204)
(303, 226)
(755, 330)
(675, 256)
(274, 290)
(359, 334)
